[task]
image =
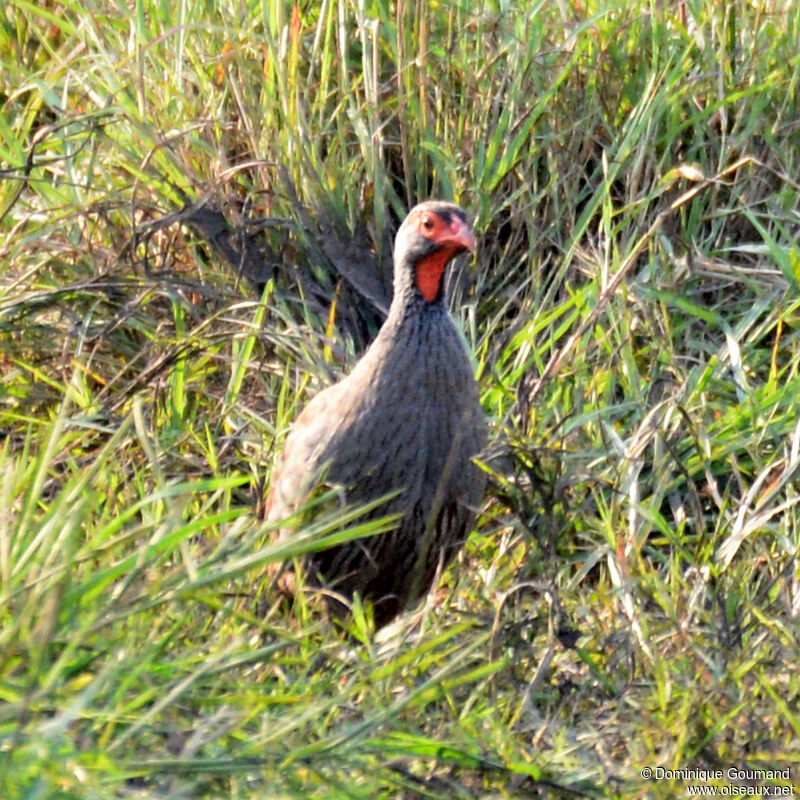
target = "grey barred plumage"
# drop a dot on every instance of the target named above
(406, 418)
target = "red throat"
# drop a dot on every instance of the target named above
(430, 270)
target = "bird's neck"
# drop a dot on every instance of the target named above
(408, 304)
(419, 287)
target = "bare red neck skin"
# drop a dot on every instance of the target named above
(429, 272)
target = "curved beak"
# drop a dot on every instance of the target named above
(459, 235)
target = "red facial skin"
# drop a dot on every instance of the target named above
(453, 237)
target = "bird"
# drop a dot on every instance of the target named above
(406, 423)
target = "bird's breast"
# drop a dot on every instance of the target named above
(405, 407)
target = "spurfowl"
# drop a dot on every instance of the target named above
(406, 418)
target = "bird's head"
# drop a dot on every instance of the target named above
(431, 235)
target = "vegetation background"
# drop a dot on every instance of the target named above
(196, 209)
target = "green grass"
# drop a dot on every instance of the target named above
(630, 596)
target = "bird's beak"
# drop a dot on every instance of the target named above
(459, 235)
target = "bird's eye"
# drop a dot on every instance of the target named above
(427, 223)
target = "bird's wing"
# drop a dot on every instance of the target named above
(305, 444)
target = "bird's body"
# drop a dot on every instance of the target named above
(407, 418)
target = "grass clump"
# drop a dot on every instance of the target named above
(196, 211)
